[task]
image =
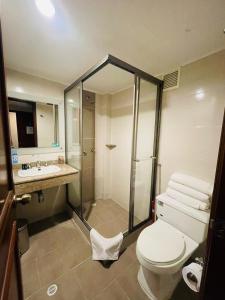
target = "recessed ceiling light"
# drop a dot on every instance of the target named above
(45, 7)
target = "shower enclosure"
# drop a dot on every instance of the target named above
(112, 117)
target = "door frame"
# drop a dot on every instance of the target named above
(212, 280)
(10, 272)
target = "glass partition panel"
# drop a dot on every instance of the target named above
(107, 143)
(73, 107)
(144, 155)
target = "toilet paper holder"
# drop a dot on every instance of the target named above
(199, 261)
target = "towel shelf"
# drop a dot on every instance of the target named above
(110, 146)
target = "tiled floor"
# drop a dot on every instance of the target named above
(62, 255)
(108, 218)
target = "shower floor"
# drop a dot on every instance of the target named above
(108, 218)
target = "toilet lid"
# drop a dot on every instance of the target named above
(161, 243)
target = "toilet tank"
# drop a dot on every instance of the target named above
(190, 221)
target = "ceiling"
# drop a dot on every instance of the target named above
(153, 35)
(109, 80)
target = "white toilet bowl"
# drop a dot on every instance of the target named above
(163, 247)
(162, 250)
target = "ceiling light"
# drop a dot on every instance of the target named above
(45, 7)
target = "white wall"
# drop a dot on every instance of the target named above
(192, 119)
(103, 186)
(121, 136)
(28, 87)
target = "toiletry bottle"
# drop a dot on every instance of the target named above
(14, 156)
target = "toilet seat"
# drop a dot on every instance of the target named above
(161, 244)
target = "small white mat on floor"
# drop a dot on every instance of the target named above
(105, 248)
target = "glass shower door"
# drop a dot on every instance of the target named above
(73, 122)
(144, 151)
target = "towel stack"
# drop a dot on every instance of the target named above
(190, 191)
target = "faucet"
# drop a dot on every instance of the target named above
(41, 163)
(38, 164)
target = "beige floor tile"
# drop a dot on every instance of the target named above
(108, 218)
(128, 282)
(93, 277)
(121, 212)
(127, 258)
(50, 267)
(64, 232)
(112, 292)
(30, 279)
(40, 244)
(111, 228)
(93, 220)
(66, 237)
(74, 252)
(103, 213)
(68, 289)
(104, 203)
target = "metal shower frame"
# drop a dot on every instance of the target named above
(138, 75)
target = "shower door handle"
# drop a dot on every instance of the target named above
(146, 158)
(153, 157)
(84, 153)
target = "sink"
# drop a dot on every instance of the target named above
(38, 171)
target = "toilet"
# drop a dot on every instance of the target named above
(164, 247)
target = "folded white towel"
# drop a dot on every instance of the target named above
(187, 200)
(105, 248)
(188, 191)
(192, 182)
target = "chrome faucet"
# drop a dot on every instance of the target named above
(38, 164)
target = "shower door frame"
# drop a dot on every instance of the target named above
(154, 156)
(138, 75)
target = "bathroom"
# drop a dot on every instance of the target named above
(101, 124)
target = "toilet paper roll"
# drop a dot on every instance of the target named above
(192, 275)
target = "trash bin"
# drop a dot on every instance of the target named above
(23, 236)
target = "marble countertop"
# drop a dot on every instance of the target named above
(64, 170)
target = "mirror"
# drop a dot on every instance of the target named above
(33, 124)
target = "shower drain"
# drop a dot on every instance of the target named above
(52, 289)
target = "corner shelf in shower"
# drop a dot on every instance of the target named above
(110, 146)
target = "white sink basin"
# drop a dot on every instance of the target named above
(38, 171)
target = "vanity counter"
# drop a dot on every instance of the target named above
(34, 183)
